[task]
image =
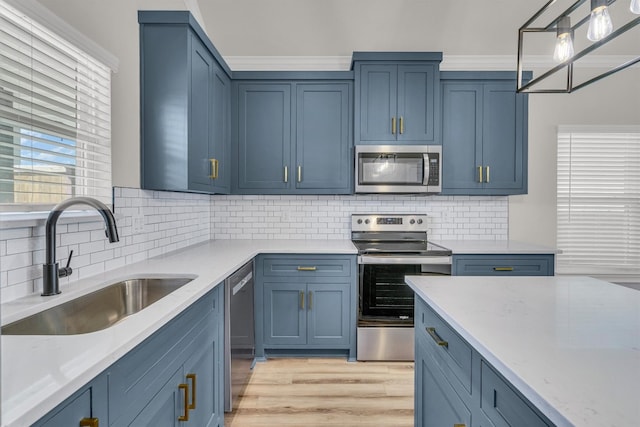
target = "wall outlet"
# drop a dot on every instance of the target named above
(137, 223)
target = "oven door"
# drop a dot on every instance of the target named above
(384, 298)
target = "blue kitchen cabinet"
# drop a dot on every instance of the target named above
(147, 385)
(90, 402)
(397, 98)
(503, 265)
(185, 106)
(291, 136)
(484, 134)
(306, 305)
(456, 386)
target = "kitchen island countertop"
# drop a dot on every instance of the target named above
(570, 345)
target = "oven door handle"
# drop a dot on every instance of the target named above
(409, 260)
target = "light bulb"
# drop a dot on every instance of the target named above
(564, 40)
(635, 7)
(600, 25)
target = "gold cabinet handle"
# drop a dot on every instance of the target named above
(89, 422)
(479, 173)
(487, 167)
(502, 268)
(307, 268)
(459, 425)
(301, 300)
(436, 338)
(393, 125)
(299, 173)
(310, 300)
(185, 415)
(286, 174)
(401, 125)
(214, 169)
(192, 377)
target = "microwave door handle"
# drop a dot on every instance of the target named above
(425, 177)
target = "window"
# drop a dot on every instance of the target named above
(55, 117)
(598, 206)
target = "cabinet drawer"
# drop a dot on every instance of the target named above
(307, 267)
(503, 405)
(446, 346)
(503, 265)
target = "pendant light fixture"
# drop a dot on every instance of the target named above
(635, 7)
(564, 40)
(600, 25)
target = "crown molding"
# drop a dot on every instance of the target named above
(36, 11)
(449, 62)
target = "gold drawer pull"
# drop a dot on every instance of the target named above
(301, 300)
(185, 416)
(299, 173)
(459, 425)
(401, 125)
(89, 422)
(436, 338)
(393, 125)
(214, 169)
(487, 173)
(310, 300)
(502, 268)
(286, 174)
(192, 377)
(480, 174)
(307, 268)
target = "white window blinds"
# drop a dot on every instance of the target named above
(598, 206)
(55, 117)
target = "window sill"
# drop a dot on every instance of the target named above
(34, 219)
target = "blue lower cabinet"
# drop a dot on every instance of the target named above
(503, 265)
(307, 305)
(180, 364)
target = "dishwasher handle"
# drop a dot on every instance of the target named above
(241, 284)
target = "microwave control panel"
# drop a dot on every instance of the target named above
(434, 169)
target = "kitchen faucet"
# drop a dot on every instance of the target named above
(50, 270)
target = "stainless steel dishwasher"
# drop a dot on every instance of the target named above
(239, 336)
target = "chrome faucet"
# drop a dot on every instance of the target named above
(50, 270)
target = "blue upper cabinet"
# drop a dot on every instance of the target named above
(484, 134)
(185, 106)
(397, 97)
(291, 136)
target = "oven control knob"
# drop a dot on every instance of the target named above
(419, 221)
(359, 221)
(413, 221)
(366, 221)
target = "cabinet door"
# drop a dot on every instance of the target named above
(200, 115)
(436, 402)
(220, 148)
(418, 104)
(165, 407)
(501, 136)
(461, 136)
(201, 376)
(323, 114)
(264, 136)
(378, 102)
(285, 313)
(328, 313)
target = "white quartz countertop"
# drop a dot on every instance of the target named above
(571, 345)
(39, 372)
(489, 247)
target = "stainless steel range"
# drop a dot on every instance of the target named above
(389, 248)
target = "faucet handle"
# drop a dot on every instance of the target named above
(66, 271)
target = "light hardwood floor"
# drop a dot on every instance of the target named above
(326, 392)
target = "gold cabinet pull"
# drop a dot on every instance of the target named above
(436, 338)
(89, 422)
(185, 415)
(299, 173)
(286, 174)
(393, 125)
(459, 425)
(487, 174)
(401, 125)
(310, 300)
(214, 169)
(502, 268)
(192, 377)
(301, 300)
(300, 268)
(480, 173)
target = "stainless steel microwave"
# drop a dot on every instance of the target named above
(415, 169)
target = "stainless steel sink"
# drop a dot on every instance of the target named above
(97, 310)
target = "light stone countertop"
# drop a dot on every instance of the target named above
(40, 372)
(489, 247)
(571, 345)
